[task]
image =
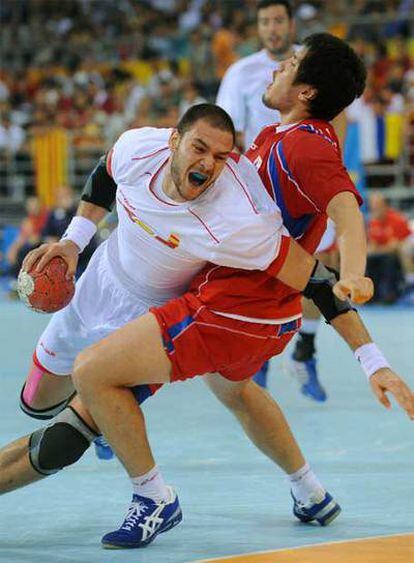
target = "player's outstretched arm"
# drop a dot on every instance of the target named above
(98, 197)
(344, 211)
(382, 378)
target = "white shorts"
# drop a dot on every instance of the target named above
(328, 238)
(100, 306)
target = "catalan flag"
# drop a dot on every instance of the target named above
(50, 156)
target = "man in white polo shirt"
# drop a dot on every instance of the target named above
(242, 87)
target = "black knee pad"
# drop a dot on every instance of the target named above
(61, 443)
(43, 414)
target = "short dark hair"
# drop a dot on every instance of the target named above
(213, 114)
(267, 3)
(335, 70)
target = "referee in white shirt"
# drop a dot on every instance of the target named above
(242, 87)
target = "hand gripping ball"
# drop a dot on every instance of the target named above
(47, 291)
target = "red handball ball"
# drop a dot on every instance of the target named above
(47, 291)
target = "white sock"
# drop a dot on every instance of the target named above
(310, 326)
(305, 484)
(151, 485)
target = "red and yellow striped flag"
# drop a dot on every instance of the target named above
(50, 155)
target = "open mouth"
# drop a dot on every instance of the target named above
(197, 178)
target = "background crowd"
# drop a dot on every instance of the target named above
(93, 68)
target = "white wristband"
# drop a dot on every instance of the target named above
(80, 231)
(371, 358)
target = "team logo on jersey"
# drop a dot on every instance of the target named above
(173, 240)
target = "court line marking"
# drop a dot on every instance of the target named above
(286, 548)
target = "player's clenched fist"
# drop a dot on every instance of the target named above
(358, 289)
(66, 249)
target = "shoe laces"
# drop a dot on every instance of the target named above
(100, 441)
(315, 498)
(133, 516)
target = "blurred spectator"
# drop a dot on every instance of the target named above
(202, 62)
(60, 216)
(191, 97)
(308, 21)
(58, 220)
(160, 109)
(97, 68)
(29, 236)
(224, 47)
(12, 136)
(388, 231)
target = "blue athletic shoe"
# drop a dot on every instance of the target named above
(261, 376)
(102, 449)
(306, 374)
(144, 521)
(323, 509)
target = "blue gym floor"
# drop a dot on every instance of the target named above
(234, 500)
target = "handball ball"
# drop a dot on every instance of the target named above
(47, 291)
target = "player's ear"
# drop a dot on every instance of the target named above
(307, 93)
(174, 140)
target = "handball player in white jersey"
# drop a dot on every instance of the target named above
(182, 200)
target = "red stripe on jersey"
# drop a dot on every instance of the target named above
(280, 259)
(235, 156)
(152, 182)
(149, 154)
(109, 162)
(204, 225)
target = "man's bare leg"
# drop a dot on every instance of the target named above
(132, 355)
(261, 419)
(16, 470)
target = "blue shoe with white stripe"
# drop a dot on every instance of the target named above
(324, 509)
(102, 449)
(144, 521)
(306, 373)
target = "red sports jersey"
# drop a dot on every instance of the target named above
(302, 169)
(393, 226)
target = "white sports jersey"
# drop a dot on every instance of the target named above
(161, 244)
(241, 91)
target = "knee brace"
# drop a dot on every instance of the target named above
(43, 414)
(61, 443)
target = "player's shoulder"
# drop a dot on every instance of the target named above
(312, 137)
(248, 188)
(138, 150)
(142, 140)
